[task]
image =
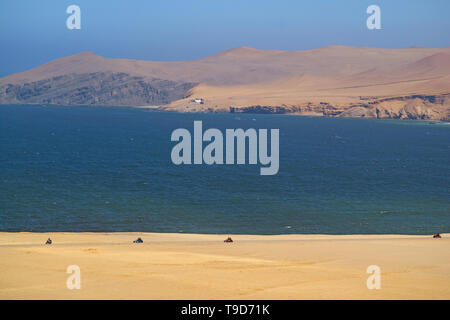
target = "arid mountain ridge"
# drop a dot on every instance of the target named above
(338, 81)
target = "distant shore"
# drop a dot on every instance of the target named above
(332, 81)
(223, 111)
(202, 266)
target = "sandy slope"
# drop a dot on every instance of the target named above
(189, 266)
(246, 65)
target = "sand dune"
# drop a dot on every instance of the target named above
(189, 266)
(246, 65)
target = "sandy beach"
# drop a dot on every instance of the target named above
(194, 266)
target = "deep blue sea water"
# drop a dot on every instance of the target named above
(109, 169)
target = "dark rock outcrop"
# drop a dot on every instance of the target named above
(95, 89)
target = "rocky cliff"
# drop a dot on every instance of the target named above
(98, 88)
(415, 107)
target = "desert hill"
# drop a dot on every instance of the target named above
(412, 83)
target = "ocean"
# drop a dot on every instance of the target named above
(109, 169)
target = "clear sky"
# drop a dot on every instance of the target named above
(33, 32)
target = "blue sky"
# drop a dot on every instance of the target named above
(34, 32)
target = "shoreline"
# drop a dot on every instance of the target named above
(124, 237)
(247, 235)
(158, 109)
(202, 266)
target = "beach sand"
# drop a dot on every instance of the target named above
(194, 266)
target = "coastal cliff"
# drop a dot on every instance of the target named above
(416, 107)
(95, 89)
